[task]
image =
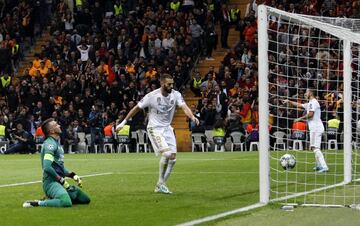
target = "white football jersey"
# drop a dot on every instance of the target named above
(161, 108)
(315, 123)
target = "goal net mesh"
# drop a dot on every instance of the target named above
(307, 52)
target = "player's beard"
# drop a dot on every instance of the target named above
(168, 89)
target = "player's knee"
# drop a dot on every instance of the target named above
(173, 157)
(166, 153)
(65, 201)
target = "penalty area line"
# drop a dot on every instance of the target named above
(222, 215)
(39, 181)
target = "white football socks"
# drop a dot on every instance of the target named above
(162, 169)
(169, 168)
(320, 161)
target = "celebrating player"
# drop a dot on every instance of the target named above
(56, 188)
(162, 103)
(316, 127)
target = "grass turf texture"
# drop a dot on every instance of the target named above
(203, 184)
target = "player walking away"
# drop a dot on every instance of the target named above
(162, 103)
(56, 188)
(316, 127)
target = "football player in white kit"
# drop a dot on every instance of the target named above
(316, 127)
(162, 103)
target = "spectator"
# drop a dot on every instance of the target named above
(252, 130)
(24, 141)
(96, 123)
(65, 76)
(211, 40)
(195, 84)
(219, 128)
(5, 83)
(196, 113)
(233, 124)
(220, 99)
(208, 116)
(245, 112)
(333, 125)
(225, 21)
(4, 133)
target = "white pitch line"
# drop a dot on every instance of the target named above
(222, 215)
(134, 173)
(187, 173)
(137, 159)
(39, 181)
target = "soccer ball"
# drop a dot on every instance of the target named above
(287, 161)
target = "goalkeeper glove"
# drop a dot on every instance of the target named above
(64, 183)
(76, 178)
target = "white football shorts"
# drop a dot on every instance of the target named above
(315, 139)
(162, 138)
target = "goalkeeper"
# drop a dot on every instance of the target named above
(56, 188)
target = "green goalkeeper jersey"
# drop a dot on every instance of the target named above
(52, 160)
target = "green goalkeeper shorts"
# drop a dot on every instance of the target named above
(54, 190)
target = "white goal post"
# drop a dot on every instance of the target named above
(319, 52)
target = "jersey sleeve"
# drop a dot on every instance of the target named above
(312, 106)
(179, 99)
(144, 102)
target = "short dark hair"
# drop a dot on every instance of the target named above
(45, 126)
(312, 91)
(165, 76)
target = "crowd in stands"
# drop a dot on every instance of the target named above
(104, 56)
(232, 92)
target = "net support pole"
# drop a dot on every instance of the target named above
(347, 111)
(264, 164)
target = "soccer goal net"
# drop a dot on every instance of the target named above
(297, 53)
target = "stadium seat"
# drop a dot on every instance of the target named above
(81, 145)
(108, 143)
(70, 149)
(236, 138)
(133, 135)
(332, 144)
(331, 137)
(123, 141)
(141, 140)
(209, 139)
(298, 145)
(39, 140)
(198, 139)
(279, 136)
(253, 144)
(88, 146)
(219, 144)
(298, 138)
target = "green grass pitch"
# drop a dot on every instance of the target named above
(204, 184)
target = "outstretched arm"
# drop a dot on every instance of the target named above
(189, 114)
(293, 103)
(131, 114)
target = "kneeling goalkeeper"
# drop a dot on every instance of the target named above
(56, 188)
